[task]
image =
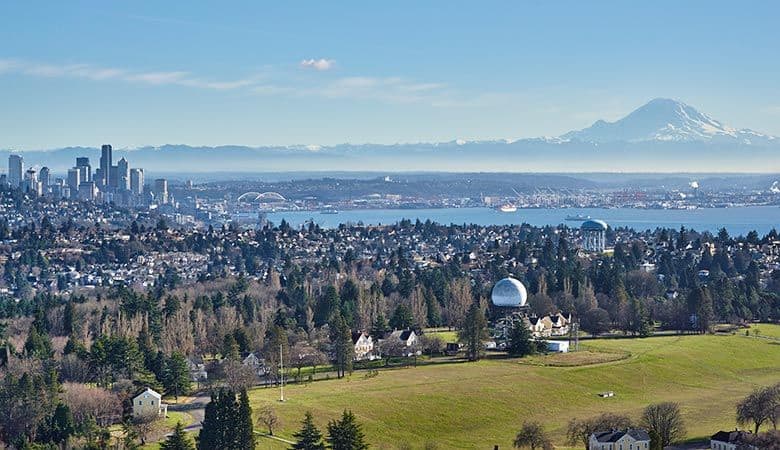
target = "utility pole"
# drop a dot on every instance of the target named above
(281, 373)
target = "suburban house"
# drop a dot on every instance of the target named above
(630, 439)
(559, 324)
(540, 327)
(364, 346)
(536, 325)
(404, 339)
(197, 370)
(256, 363)
(149, 404)
(732, 440)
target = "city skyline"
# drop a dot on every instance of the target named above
(261, 74)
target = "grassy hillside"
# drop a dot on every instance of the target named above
(477, 405)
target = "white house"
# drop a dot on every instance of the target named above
(559, 324)
(630, 439)
(404, 338)
(364, 346)
(256, 363)
(732, 440)
(149, 404)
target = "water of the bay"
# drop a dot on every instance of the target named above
(737, 220)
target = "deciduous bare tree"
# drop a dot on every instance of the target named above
(666, 421)
(267, 417)
(532, 436)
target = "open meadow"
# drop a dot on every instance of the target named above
(478, 405)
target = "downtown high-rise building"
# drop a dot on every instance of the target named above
(122, 174)
(161, 191)
(137, 181)
(106, 155)
(74, 180)
(85, 169)
(15, 170)
(44, 176)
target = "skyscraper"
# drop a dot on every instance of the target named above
(123, 174)
(105, 165)
(82, 163)
(45, 177)
(15, 170)
(74, 179)
(137, 181)
(161, 191)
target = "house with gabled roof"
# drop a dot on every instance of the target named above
(733, 440)
(629, 439)
(364, 346)
(148, 404)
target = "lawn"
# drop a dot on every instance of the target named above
(478, 405)
(765, 329)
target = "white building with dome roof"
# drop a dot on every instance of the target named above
(594, 235)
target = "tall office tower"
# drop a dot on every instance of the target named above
(137, 181)
(161, 191)
(114, 178)
(15, 170)
(123, 174)
(31, 182)
(74, 180)
(105, 165)
(82, 163)
(3, 179)
(86, 191)
(45, 177)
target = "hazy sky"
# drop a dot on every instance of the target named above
(266, 73)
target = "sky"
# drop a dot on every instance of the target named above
(83, 73)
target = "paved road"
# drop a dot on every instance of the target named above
(196, 408)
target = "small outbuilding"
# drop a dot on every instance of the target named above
(558, 346)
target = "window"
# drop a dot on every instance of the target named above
(140, 402)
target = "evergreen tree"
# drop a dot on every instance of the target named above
(176, 377)
(346, 434)
(230, 347)
(341, 338)
(38, 345)
(520, 340)
(402, 317)
(309, 437)
(245, 432)
(178, 440)
(474, 332)
(221, 424)
(62, 427)
(379, 327)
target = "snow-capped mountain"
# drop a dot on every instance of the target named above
(664, 119)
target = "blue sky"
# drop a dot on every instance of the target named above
(275, 73)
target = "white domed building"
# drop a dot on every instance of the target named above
(594, 235)
(509, 293)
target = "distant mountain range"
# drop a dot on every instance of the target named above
(661, 136)
(666, 120)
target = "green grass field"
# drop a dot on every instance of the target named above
(764, 329)
(477, 405)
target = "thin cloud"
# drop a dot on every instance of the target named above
(321, 64)
(96, 73)
(392, 90)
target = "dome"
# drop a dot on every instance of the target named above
(509, 292)
(594, 225)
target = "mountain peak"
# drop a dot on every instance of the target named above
(664, 119)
